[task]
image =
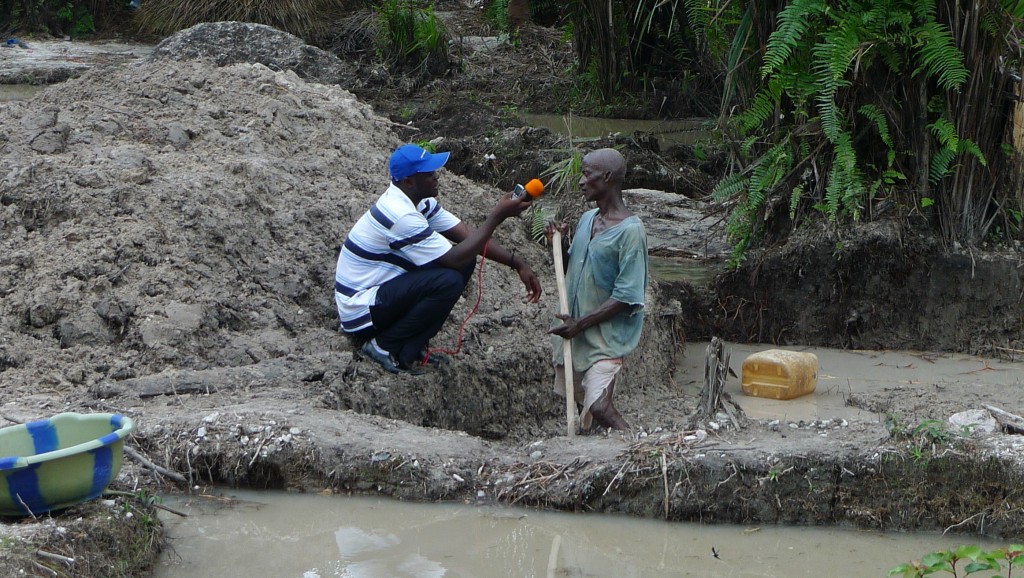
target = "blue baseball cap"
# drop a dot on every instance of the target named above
(410, 159)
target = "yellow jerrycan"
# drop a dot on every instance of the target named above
(779, 374)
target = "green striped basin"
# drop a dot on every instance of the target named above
(58, 462)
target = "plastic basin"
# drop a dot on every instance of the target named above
(54, 463)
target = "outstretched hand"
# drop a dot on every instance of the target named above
(508, 207)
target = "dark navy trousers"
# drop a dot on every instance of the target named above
(412, 308)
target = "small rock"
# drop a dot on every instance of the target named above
(974, 421)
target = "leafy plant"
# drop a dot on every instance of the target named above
(426, 145)
(849, 96)
(563, 176)
(411, 35)
(497, 14)
(559, 179)
(78, 17)
(974, 558)
(932, 431)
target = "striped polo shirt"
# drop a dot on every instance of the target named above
(390, 239)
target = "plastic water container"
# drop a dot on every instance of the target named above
(779, 374)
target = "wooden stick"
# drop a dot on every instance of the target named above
(563, 307)
(130, 452)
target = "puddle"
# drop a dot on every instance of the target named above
(13, 92)
(313, 536)
(845, 372)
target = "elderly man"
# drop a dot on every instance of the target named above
(606, 280)
(399, 274)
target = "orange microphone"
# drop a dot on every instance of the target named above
(534, 189)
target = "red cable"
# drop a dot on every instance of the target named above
(480, 293)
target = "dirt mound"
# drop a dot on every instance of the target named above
(175, 216)
(226, 43)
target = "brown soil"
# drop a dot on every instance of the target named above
(169, 238)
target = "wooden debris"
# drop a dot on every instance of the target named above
(1009, 422)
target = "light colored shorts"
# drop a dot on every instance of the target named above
(588, 385)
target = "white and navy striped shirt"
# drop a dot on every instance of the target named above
(390, 239)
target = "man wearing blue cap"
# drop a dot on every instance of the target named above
(399, 274)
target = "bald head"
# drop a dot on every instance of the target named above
(610, 161)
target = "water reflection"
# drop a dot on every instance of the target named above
(292, 535)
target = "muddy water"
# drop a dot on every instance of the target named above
(311, 536)
(846, 373)
(668, 132)
(668, 269)
(12, 92)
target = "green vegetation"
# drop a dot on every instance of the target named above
(974, 561)
(829, 112)
(497, 14)
(848, 104)
(74, 18)
(411, 36)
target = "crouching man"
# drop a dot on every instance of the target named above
(399, 275)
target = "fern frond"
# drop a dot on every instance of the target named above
(939, 57)
(876, 116)
(794, 200)
(793, 22)
(748, 145)
(730, 186)
(832, 60)
(539, 218)
(762, 108)
(846, 189)
(835, 53)
(968, 146)
(766, 174)
(939, 166)
(945, 133)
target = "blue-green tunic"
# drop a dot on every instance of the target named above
(611, 265)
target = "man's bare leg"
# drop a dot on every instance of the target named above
(604, 412)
